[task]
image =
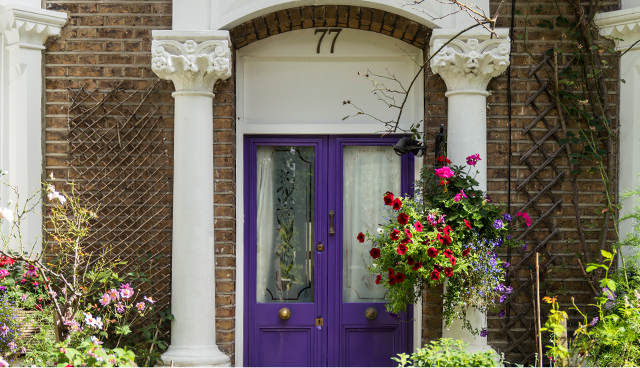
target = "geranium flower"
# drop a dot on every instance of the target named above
(140, 306)
(432, 252)
(410, 261)
(360, 237)
(452, 260)
(473, 159)
(378, 279)
(443, 182)
(466, 252)
(448, 271)
(448, 253)
(418, 226)
(468, 224)
(403, 219)
(417, 266)
(435, 275)
(443, 160)
(444, 172)
(4, 273)
(388, 198)
(105, 299)
(402, 249)
(399, 277)
(457, 198)
(375, 253)
(408, 233)
(395, 234)
(397, 204)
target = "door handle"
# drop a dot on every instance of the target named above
(332, 230)
(371, 313)
(284, 314)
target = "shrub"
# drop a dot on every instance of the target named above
(448, 353)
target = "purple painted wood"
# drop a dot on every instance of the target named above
(347, 337)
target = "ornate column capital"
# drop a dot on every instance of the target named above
(194, 61)
(468, 63)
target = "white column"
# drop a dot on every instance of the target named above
(466, 65)
(24, 30)
(624, 27)
(194, 61)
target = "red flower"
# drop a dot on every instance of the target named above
(388, 198)
(466, 252)
(390, 271)
(448, 271)
(435, 275)
(446, 230)
(410, 261)
(378, 279)
(443, 159)
(392, 280)
(443, 182)
(375, 253)
(395, 234)
(418, 226)
(452, 260)
(408, 232)
(360, 237)
(397, 204)
(432, 252)
(467, 223)
(417, 266)
(438, 268)
(445, 240)
(403, 219)
(402, 249)
(448, 253)
(399, 277)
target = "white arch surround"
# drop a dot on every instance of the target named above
(190, 15)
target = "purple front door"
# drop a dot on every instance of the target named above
(310, 300)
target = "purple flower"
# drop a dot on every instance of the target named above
(3, 288)
(4, 330)
(484, 333)
(506, 265)
(119, 308)
(500, 287)
(501, 314)
(500, 242)
(393, 315)
(609, 294)
(508, 237)
(608, 305)
(594, 321)
(524, 247)
(497, 224)
(503, 298)
(507, 217)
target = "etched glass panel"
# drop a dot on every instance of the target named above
(285, 185)
(369, 172)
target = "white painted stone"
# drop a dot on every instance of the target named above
(24, 30)
(466, 65)
(624, 27)
(226, 14)
(194, 62)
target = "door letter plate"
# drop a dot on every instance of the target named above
(319, 321)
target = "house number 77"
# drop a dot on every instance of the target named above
(324, 32)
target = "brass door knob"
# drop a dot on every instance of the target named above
(320, 247)
(285, 314)
(371, 313)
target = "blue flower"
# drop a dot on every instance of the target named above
(524, 247)
(501, 314)
(507, 217)
(505, 265)
(484, 333)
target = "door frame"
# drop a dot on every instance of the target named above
(410, 169)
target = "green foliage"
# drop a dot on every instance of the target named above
(448, 353)
(91, 353)
(39, 346)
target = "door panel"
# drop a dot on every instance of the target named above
(370, 347)
(286, 347)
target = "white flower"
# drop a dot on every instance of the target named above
(6, 214)
(380, 231)
(55, 195)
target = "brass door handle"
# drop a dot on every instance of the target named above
(371, 313)
(332, 230)
(320, 247)
(284, 314)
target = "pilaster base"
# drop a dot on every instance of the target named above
(195, 356)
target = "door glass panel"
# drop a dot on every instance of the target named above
(368, 173)
(285, 185)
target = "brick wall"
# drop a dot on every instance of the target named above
(108, 41)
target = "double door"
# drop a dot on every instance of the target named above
(310, 299)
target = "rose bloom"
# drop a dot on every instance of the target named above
(403, 219)
(432, 252)
(375, 253)
(444, 172)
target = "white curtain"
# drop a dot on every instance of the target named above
(268, 263)
(368, 173)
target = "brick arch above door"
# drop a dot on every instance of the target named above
(336, 16)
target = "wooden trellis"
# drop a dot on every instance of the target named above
(540, 183)
(120, 166)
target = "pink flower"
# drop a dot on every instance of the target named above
(140, 306)
(126, 293)
(150, 300)
(119, 308)
(444, 172)
(4, 330)
(4, 273)
(113, 294)
(473, 159)
(418, 226)
(105, 299)
(23, 297)
(525, 217)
